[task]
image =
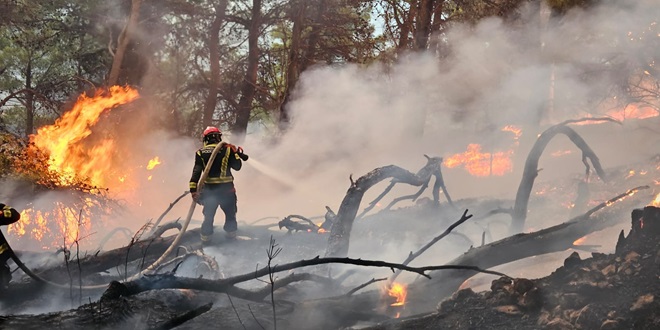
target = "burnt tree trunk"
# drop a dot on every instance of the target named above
(340, 234)
(530, 171)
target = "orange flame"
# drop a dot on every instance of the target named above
(479, 163)
(580, 240)
(398, 291)
(63, 141)
(517, 131)
(632, 111)
(40, 226)
(73, 158)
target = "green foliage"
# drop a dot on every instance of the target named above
(46, 50)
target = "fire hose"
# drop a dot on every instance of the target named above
(177, 239)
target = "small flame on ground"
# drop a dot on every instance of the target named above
(398, 291)
(479, 163)
(580, 240)
(517, 131)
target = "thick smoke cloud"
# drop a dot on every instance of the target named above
(351, 119)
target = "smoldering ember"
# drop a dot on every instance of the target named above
(327, 164)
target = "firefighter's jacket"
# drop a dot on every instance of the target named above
(226, 160)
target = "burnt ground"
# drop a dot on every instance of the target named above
(606, 291)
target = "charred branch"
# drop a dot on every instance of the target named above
(338, 242)
(160, 218)
(183, 318)
(169, 281)
(364, 285)
(297, 226)
(413, 256)
(432, 168)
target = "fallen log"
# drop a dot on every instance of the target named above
(118, 314)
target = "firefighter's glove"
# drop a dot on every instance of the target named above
(195, 197)
(241, 154)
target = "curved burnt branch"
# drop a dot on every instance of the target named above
(364, 285)
(340, 233)
(530, 171)
(162, 229)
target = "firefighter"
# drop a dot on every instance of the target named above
(219, 185)
(8, 216)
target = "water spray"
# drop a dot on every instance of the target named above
(272, 173)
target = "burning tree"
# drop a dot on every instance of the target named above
(66, 158)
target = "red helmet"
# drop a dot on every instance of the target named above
(211, 130)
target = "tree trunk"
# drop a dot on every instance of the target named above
(123, 41)
(423, 26)
(293, 69)
(436, 26)
(248, 89)
(214, 59)
(404, 29)
(314, 35)
(29, 100)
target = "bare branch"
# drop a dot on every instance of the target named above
(412, 256)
